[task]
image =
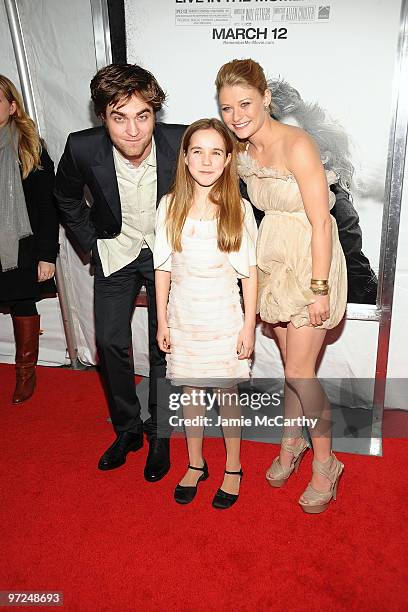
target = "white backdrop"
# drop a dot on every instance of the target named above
(345, 63)
(323, 60)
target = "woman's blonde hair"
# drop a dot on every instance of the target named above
(29, 144)
(245, 72)
(224, 193)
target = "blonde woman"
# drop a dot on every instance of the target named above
(302, 278)
(28, 231)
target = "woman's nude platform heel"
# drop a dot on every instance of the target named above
(277, 475)
(314, 502)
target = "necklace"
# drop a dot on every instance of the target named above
(203, 213)
(203, 216)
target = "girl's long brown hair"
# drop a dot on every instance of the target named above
(224, 193)
(29, 145)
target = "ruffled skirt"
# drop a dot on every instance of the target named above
(204, 313)
(285, 269)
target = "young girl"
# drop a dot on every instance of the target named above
(205, 241)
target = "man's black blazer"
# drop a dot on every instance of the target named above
(88, 160)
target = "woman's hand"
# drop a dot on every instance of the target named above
(319, 312)
(163, 337)
(46, 271)
(245, 342)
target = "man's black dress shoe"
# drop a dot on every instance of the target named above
(115, 456)
(158, 459)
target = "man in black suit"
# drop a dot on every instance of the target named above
(128, 164)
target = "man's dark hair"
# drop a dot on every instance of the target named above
(120, 82)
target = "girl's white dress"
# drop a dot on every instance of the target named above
(204, 310)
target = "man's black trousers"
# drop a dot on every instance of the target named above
(115, 297)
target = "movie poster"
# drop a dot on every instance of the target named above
(330, 66)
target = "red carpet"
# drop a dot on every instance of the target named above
(111, 541)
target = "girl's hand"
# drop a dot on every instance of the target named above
(245, 342)
(163, 337)
(319, 312)
(45, 271)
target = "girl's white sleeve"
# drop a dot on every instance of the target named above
(246, 256)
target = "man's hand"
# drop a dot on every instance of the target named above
(45, 271)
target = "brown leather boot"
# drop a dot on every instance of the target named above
(26, 334)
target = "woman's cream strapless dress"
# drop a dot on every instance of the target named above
(284, 256)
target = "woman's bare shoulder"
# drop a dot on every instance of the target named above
(299, 146)
(294, 136)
